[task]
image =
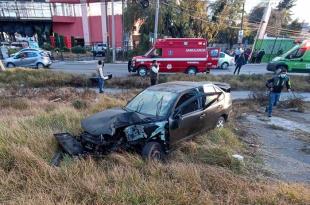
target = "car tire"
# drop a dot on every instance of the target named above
(220, 122)
(224, 66)
(40, 66)
(153, 151)
(10, 65)
(142, 71)
(191, 71)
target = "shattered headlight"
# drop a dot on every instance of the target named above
(135, 132)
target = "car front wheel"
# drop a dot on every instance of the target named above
(153, 151)
(220, 122)
(10, 65)
(142, 71)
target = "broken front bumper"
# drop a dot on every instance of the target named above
(69, 144)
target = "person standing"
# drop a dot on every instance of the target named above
(275, 86)
(100, 76)
(237, 53)
(154, 73)
(260, 56)
(239, 63)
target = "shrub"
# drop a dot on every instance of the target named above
(79, 104)
(78, 50)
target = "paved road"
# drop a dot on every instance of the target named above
(120, 70)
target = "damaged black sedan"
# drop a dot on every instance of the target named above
(152, 122)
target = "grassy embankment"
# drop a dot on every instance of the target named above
(45, 78)
(200, 171)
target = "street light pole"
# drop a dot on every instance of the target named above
(156, 20)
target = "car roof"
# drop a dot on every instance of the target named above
(179, 86)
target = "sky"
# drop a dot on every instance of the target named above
(300, 11)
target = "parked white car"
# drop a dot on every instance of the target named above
(225, 61)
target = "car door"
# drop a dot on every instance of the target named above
(213, 106)
(188, 113)
(213, 57)
(32, 58)
(297, 61)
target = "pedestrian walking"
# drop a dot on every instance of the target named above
(237, 53)
(239, 63)
(275, 86)
(100, 66)
(154, 73)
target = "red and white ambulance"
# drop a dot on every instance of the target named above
(186, 55)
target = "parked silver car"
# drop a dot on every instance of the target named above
(49, 53)
(35, 59)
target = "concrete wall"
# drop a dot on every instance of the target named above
(72, 26)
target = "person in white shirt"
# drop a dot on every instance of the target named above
(100, 76)
(154, 73)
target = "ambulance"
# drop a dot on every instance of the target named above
(296, 59)
(177, 55)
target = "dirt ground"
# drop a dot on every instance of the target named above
(282, 141)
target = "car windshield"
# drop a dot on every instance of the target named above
(291, 50)
(152, 102)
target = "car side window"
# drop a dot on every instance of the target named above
(188, 103)
(212, 95)
(31, 54)
(222, 55)
(221, 97)
(214, 53)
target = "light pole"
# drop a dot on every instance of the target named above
(156, 20)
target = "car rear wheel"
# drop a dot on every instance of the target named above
(191, 71)
(224, 65)
(10, 65)
(220, 122)
(142, 71)
(153, 151)
(40, 66)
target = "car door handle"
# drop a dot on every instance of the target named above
(202, 115)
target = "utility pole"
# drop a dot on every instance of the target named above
(156, 20)
(265, 21)
(113, 33)
(241, 27)
(240, 33)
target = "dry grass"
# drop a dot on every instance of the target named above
(46, 78)
(200, 171)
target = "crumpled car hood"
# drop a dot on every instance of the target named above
(106, 122)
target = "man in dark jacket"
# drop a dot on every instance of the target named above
(154, 73)
(275, 86)
(239, 63)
